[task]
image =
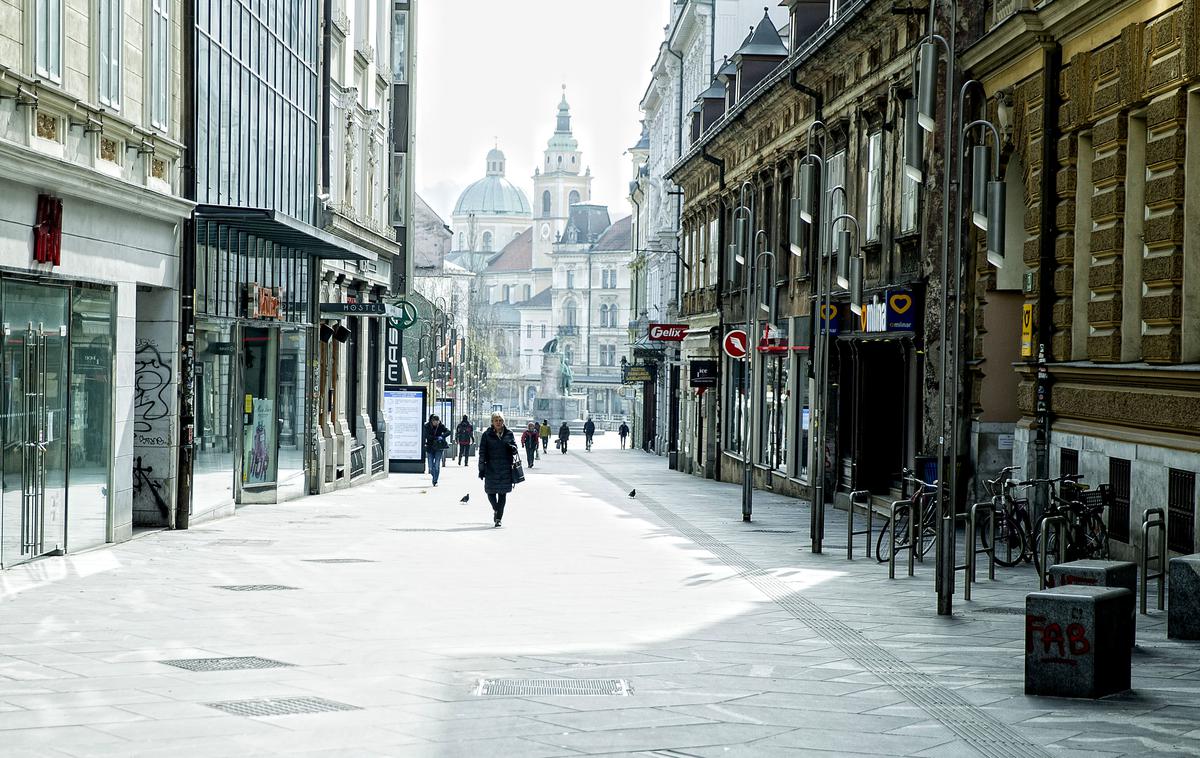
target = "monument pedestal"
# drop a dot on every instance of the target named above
(560, 409)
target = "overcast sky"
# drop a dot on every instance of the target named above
(494, 70)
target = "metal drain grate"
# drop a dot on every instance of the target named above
(546, 687)
(974, 726)
(338, 560)
(255, 587)
(774, 531)
(226, 664)
(282, 706)
(999, 609)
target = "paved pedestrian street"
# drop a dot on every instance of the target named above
(382, 608)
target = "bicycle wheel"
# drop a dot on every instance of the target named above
(883, 545)
(1010, 541)
(1095, 535)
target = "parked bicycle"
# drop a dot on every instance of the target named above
(924, 502)
(1013, 528)
(1086, 534)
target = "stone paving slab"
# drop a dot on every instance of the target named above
(665, 590)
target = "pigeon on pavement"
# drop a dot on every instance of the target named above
(633, 493)
(465, 498)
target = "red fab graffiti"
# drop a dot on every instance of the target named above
(1054, 643)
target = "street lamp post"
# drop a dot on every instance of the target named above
(988, 202)
(743, 216)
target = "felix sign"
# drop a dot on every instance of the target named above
(668, 332)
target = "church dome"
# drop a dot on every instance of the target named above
(493, 195)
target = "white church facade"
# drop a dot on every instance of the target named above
(560, 276)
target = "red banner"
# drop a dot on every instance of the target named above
(668, 332)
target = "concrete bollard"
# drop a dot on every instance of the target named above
(1183, 607)
(1077, 641)
(1097, 574)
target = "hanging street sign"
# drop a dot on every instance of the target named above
(402, 313)
(735, 344)
(354, 309)
(634, 373)
(1027, 331)
(668, 332)
(703, 374)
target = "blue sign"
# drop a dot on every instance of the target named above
(901, 311)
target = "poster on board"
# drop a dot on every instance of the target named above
(404, 411)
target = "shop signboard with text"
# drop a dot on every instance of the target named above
(703, 374)
(668, 332)
(892, 311)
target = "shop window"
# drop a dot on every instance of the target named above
(1118, 513)
(1181, 511)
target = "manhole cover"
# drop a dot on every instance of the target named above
(241, 543)
(337, 560)
(255, 587)
(226, 664)
(774, 531)
(553, 687)
(283, 706)
(1002, 610)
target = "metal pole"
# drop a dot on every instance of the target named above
(820, 340)
(748, 391)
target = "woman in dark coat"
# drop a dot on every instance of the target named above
(564, 434)
(496, 450)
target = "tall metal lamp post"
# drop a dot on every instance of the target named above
(988, 205)
(743, 217)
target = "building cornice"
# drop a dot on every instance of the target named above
(47, 172)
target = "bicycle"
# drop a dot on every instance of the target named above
(1086, 534)
(1013, 528)
(924, 498)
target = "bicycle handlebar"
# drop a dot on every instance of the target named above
(909, 475)
(1073, 478)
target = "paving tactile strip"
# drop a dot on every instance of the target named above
(283, 706)
(552, 687)
(226, 664)
(990, 736)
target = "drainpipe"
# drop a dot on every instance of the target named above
(1052, 67)
(181, 517)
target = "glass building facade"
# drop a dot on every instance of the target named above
(257, 92)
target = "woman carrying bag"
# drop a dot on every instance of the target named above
(499, 466)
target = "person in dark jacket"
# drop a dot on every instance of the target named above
(564, 434)
(436, 434)
(464, 435)
(623, 432)
(496, 450)
(589, 430)
(529, 441)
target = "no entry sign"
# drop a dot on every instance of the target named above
(735, 344)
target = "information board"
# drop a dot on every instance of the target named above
(404, 411)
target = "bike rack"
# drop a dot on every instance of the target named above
(1153, 518)
(1061, 523)
(973, 552)
(855, 496)
(896, 504)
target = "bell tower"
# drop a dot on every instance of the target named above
(558, 183)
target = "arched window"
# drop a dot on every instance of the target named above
(603, 315)
(574, 197)
(546, 203)
(487, 242)
(570, 314)
(560, 161)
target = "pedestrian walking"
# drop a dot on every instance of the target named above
(623, 432)
(464, 435)
(529, 441)
(564, 434)
(544, 431)
(589, 430)
(496, 450)
(435, 436)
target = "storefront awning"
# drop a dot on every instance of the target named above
(282, 229)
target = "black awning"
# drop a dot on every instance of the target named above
(282, 229)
